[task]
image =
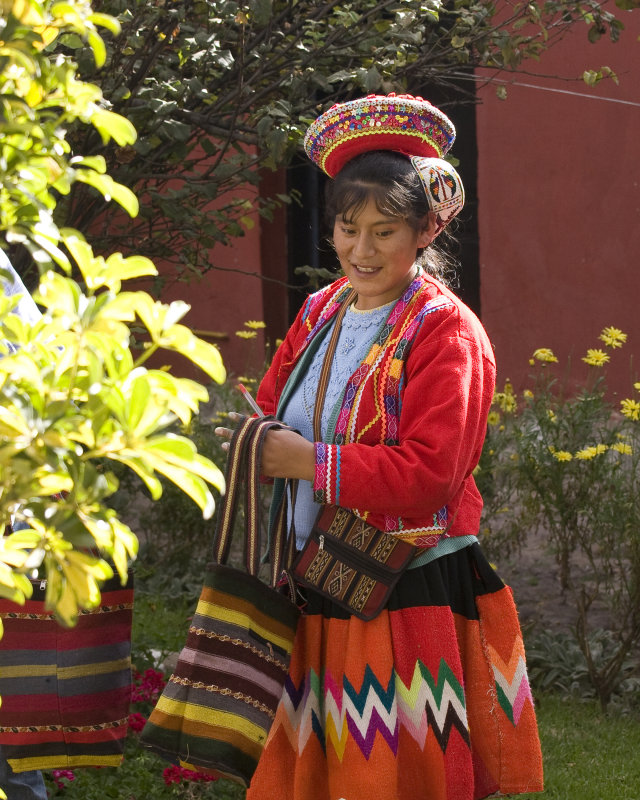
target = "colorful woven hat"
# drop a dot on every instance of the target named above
(443, 187)
(401, 122)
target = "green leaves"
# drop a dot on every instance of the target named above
(561, 462)
(41, 98)
(592, 76)
(13, 585)
(218, 90)
(113, 126)
(161, 322)
(75, 395)
(110, 189)
(72, 398)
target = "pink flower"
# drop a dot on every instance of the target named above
(172, 775)
(59, 774)
(136, 722)
(198, 777)
(176, 774)
(147, 687)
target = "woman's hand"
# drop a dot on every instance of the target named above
(285, 454)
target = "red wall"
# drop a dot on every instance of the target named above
(559, 207)
(248, 282)
(223, 300)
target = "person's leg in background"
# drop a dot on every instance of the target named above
(21, 785)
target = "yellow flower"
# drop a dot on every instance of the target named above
(551, 414)
(586, 454)
(623, 448)
(246, 334)
(278, 342)
(493, 418)
(637, 386)
(254, 324)
(544, 354)
(528, 394)
(613, 337)
(246, 379)
(507, 399)
(630, 408)
(591, 452)
(562, 455)
(595, 358)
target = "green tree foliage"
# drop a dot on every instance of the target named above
(221, 90)
(41, 98)
(75, 395)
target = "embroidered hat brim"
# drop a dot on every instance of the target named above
(403, 123)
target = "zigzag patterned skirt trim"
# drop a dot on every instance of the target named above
(429, 701)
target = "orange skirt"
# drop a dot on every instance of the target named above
(429, 701)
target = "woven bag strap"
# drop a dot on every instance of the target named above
(259, 430)
(243, 473)
(228, 505)
(325, 371)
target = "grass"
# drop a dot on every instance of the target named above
(587, 755)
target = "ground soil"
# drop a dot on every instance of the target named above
(534, 577)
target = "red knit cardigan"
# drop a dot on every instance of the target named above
(413, 417)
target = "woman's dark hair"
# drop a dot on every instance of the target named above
(389, 179)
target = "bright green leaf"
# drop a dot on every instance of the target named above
(97, 46)
(105, 21)
(113, 126)
(110, 190)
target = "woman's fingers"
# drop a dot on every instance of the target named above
(224, 433)
(227, 433)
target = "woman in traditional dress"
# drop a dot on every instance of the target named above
(430, 699)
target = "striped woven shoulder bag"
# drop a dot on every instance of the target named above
(217, 708)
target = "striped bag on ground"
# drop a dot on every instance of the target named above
(66, 692)
(217, 707)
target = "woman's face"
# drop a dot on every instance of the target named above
(378, 253)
